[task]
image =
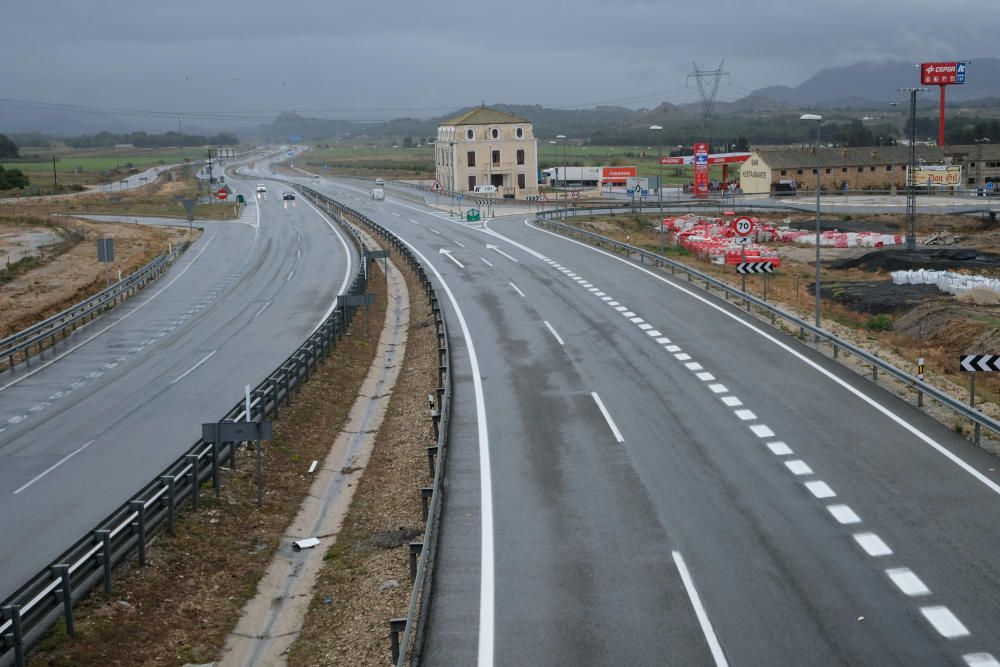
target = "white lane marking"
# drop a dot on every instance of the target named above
(620, 308)
(487, 564)
(682, 356)
(663, 341)
(54, 466)
(606, 298)
(762, 431)
(900, 421)
(122, 318)
(396, 214)
(614, 304)
(485, 261)
(693, 366)
(980, 660)
(872, 544)
(629, 313)
(653, 333)
(699, 611)
(347, 273)
(553, 332)
(779, 448)
(907, 582)
(190, 370)
(516, 288)
(607, 417)
(298, 253)
(413, 221)
(798, 467)
(705, 376)
(262, 309)
(745, 415)
(588, 286)
(602, 295)
(945, 622)
(490, 246)
(645, 326)
(672, 348)
(447, 253)
(458, 244)
(731, 401)
(434, 230)
(820, 489)
(593, 289)
(290, 274)
(718, 388)
(843, 513)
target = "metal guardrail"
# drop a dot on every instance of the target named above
(979, 420)
(422, 572)
(50, 595)
(67, 321)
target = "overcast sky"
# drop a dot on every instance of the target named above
(388, 59)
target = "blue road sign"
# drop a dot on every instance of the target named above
(630, 192)
(989, 185)
(458, 197)
(643, 193)
(960, 73)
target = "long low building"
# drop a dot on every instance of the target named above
(866, 168)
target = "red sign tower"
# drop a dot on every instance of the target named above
(701, 170)
(942, 74)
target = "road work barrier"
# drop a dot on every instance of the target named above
(820, 336)
(44, 334)
(50, 595)
(406, 634)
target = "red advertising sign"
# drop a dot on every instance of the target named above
(701, 170)
(942, 74)
(716, 158)
(618, 173)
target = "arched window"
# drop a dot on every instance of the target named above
(520, 132)
(495, 132)
(470, 134)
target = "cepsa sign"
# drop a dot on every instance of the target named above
(701, 170)
(942, 74)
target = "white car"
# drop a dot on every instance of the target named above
(261, 188)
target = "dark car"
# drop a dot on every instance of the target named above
(288, 195)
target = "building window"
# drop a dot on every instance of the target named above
(472, 183)
(972, 181)
(814, 172)
(520, 156)
(860, 169)
(472, 158)
(783, 172)
(799, 171)
(520, 179)
(470, 134)
(520, 134)
(496, 158)
(495, 133)
(888, 167)
(871, 168)
(843, 170)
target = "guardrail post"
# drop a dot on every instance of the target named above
(13, 614)
(425, 497)
(169, 481)
(396, 625)
(431, 453)
(416, 548)
(64, 594)
(140, 526)
(192, 460)
(104, 536)
(874, 373)
(286, 375)
(216, 484)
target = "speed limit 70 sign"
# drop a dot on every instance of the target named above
(743, 226)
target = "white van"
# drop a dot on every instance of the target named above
(379, 182)
(378, 194)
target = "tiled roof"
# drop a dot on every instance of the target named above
(483, 116)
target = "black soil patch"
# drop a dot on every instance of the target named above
(881, 227)
(897, 259)
(878, 297)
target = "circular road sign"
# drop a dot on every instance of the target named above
(743, 226)
(989, 185)
(222, 193)
(576, 195)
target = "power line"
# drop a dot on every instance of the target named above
(707, 96)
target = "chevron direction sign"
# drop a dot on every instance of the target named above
(483, 202)
(980, 362)
(755, 267)
(532, 198)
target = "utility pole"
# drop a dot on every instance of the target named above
(707, 97)
(210, 179)
(911, 185)
(55, 182)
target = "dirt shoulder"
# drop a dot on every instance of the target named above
(180, 608)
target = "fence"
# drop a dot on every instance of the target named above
(50, 595)
(64, 323)
(422, 553)
(838, 345)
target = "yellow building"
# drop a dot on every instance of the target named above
(486, 147)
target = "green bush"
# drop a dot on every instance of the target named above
(879, 323)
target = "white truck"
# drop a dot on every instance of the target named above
(378, 194)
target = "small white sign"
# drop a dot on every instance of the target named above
(486, 188)
(743, 240)
(743, 226)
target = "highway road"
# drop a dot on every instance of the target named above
(88, 424)
(639, 474)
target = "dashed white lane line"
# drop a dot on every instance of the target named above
(191, 370)
(872, 544)
(606, 298)
(693, 366)
(607, 416)
(945, 622)
(705, 376)
(843, 514)
(682, 356)
(699, 611)
(798, 467)
(907, 582)
(434, 230)
(458, 244)
(663, 341)
(53, 466)
(718, 388)
(731, 401)
(745, 415)
(762, 431)
(290, 274)
(554, 334)
(516, 289)
(653, 333)
(820, 489)
(615, 304)
(485, 261)
(672, 348)
(980, 660)
(628, 313)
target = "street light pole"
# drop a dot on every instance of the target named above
(911, 179)
(659, 184)
(819, 120)
(560, 137)
(979, 162)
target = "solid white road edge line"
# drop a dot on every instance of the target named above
(190, 370)
(699, 611)
(54, 466)
(553, 332)
(941, 449)
(350, 265)
(604, 411)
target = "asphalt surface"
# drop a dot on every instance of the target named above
(87, 424)
(640, 475)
